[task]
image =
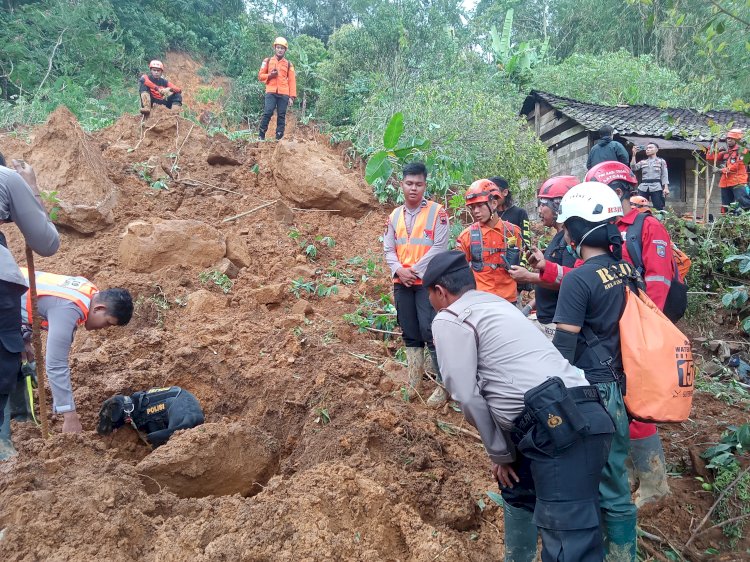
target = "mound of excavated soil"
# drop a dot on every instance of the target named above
(67, 161)
(308, 451)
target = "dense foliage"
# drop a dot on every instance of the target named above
(457, 76)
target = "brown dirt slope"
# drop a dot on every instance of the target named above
(308, 452)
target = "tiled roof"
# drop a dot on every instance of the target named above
(641, 120)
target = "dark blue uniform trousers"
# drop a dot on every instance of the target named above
(561, 487)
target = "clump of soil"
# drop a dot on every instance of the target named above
(308, 451)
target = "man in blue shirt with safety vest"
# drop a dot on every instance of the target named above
(65, 303)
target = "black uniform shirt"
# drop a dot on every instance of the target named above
(546, 299)
(593, 295)
(519, 217)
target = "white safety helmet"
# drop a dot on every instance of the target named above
(591, 201)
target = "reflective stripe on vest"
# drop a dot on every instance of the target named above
(78, 290)
(410, 249)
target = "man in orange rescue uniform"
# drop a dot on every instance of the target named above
(491, 244)
(281, 88)
(415, 233)
(64, 304)
(733, 181)
(155, 89)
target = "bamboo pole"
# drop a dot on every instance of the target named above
(36, 338)
(695, 190)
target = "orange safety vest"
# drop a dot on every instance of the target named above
(410, 249)
(285, 82)
(78, 290)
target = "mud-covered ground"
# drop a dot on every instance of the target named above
(308, 451)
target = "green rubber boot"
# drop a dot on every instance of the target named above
(520, 534)
(649, 469)
(620, 541)
(7, 450)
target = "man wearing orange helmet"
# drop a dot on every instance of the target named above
(155, 89)
(277, 73)
(733, 182)
(557, 251)
(491, 245)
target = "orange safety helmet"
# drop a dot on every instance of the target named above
(640, 203)
(281, 41)
(735, 134)
(480, 192)
(156, 64)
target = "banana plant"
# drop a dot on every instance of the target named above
(395, 152)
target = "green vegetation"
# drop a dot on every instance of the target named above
(452, 79)
(216, 278)
(731, 484)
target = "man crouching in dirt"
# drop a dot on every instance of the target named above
(155, 89)
(542, 424)
(64, 304)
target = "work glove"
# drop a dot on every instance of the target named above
(166, 92)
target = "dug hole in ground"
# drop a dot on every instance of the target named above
(308, 451)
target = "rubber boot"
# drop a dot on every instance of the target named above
(520, 534)
(415, 366)
(7, 450)
(620, 541)
(649, 469)
(20, 409)
(439, 396)
(177, 107)
(145, 103)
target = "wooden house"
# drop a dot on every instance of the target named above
(569, 129)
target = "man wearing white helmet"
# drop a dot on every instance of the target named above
(590, 303)
(277, 73)
(154, 88)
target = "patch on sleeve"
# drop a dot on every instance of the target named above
(661, 248)
(443, 216)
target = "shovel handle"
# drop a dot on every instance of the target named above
(36, 339)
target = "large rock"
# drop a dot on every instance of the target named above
(149, 246)
(68, 161)
(314, 179)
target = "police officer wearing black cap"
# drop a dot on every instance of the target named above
(544, 428)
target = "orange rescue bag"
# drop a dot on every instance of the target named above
(658, 362)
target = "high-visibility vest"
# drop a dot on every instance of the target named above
(410, 249)
(77, 290)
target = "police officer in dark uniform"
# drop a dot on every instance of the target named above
(544, 428)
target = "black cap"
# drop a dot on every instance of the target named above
(445, 262)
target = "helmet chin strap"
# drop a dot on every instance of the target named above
(579, 244)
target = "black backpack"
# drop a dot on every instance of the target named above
(676, 303)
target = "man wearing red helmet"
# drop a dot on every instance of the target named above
(155, 89)
(733, 182)
(491, 245)
(557, 251)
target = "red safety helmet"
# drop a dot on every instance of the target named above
(156, 64)
(557, 186)
(611, 171)
(735, 134)
(480, 192)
